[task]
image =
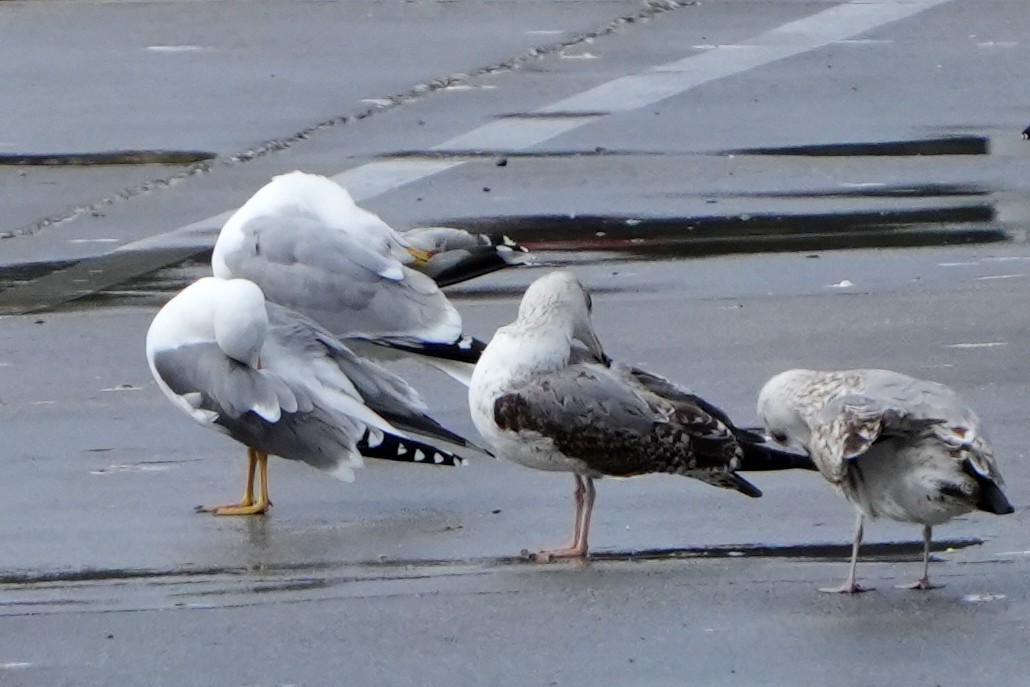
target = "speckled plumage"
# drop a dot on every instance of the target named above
(602, 416)
(546, 396)
(893, 445)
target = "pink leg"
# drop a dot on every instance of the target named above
(850, 586)
(924, 581)
(578, 549)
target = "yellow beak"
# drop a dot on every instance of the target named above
(421, 256)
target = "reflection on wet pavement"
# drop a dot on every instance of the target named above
(149, 277)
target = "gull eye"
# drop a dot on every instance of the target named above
(590, 303)
(780, 437)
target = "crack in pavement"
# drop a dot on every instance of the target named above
(651, 9)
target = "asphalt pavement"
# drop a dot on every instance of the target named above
(745, 186)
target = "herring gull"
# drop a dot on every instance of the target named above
(895, 446)
(310, 248)
(280, 384)
(545, 395)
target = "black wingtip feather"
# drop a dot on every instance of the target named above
(467, 350)
(745, 487)
(991, 498)
(393, 447)
(763, 458)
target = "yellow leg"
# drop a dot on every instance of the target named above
(247, 505)
(263, 462)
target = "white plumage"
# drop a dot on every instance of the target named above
(310, 248)
(282, 385)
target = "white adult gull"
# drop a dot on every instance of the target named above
(280, 384)
(546, 396)
(310, 248)
(893, 445)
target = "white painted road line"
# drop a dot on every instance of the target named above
(622, 94)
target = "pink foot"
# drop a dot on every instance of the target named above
(549, 556)
(922, 583)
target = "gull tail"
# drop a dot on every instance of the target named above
(392, 447)
(457, 359)
(744, 487)
(991, 498)
(467, 349)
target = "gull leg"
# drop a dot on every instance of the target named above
(578, 549)
(588, 511)
(850, 586)
(924, 581)
(247, 505)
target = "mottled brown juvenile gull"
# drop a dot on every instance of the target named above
(546, 396)
(894, 446)
(310, 248)
(280, 384)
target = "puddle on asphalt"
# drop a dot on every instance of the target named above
(692, 237)
(110, 157)
(870, 190)
(148, 278)
(945, 145)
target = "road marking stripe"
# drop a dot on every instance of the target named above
(621, 94)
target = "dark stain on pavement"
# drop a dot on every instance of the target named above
(885, 551)
(109, 157)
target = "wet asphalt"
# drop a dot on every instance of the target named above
(727, 231)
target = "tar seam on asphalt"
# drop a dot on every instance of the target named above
(651, 9)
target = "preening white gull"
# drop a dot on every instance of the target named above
(280, 384)
(546, 396)
(310, 248)
(894, 446)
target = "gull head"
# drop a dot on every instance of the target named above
(240, 319)
(780, 411)
(558, 299)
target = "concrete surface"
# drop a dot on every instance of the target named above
(411, 575)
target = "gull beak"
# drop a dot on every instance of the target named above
(421, 256)
(594, 344)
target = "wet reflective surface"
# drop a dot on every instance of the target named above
(864, 202)
(133, 276)
(113, 157)
(951, 145)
